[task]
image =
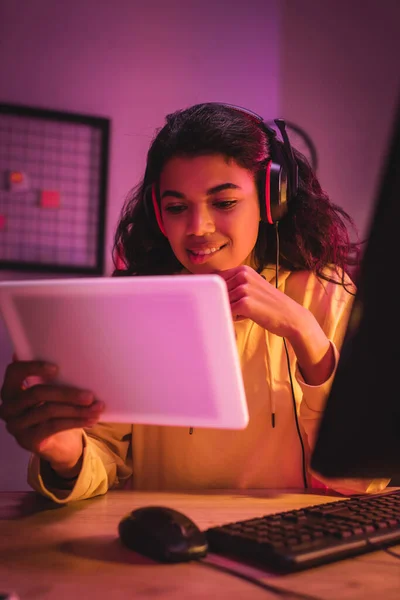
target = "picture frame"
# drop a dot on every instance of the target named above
(53, 190)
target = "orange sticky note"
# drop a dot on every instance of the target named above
(18, 181)
(16, 177)
(50, 199)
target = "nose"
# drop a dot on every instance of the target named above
(200, 221)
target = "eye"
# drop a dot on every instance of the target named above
(225, 204)
(175, 209)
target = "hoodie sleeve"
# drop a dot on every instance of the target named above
(106, 464)
(331, 305)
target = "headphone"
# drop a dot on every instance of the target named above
(277, 183)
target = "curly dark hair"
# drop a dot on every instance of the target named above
(313, 234)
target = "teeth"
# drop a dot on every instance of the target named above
(202, 252)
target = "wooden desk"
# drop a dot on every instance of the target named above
(73, 551)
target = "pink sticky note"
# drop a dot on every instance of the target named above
(49, 199)
(3, 221)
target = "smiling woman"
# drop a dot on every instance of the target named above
(210, 212)
(220, 194)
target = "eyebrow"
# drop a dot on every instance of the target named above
(209, 192)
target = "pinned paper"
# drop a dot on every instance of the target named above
(18, 181)
(50, 199)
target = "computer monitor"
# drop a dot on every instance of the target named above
(360, 431)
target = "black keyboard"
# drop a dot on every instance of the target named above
(298, 539)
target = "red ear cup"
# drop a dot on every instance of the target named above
(157, 211)
(267, 193)
(119, 261)
(273, 193)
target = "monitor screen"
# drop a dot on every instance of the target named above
(359, 434)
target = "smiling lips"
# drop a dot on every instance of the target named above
(202, 253)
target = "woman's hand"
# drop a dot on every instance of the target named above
(252, 297)
(47, 419)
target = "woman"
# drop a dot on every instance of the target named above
(221, 194)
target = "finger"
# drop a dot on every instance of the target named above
(233, 282)
(17, 372)
(228, 274)
(51, 411)
(238, 292)
(41, 394)
(244, 275)
(240, 310)
(244, 270)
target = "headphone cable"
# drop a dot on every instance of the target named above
(303, 455)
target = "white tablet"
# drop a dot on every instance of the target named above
(157, 349)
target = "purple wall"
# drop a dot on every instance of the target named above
(340, 77)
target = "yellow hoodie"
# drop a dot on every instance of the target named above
(151, 457)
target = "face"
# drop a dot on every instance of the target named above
(210, 212)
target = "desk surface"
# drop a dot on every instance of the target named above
(73, 551)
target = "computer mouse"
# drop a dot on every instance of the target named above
(163, 534)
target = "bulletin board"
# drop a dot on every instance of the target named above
(53, 185)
